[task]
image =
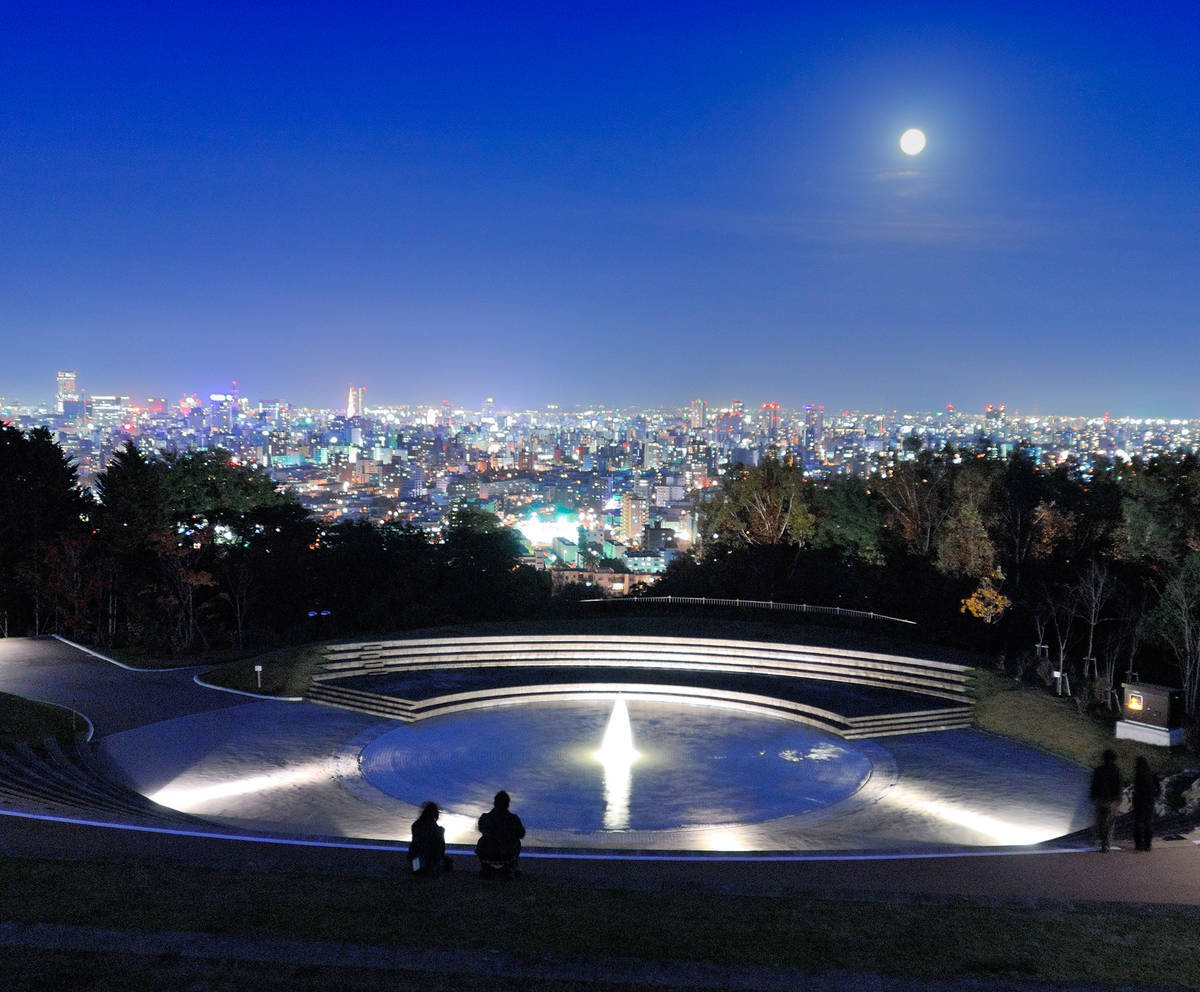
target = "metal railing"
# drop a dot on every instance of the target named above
(757, 604)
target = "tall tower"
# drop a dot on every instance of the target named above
(356, 402)
(814, 425)
(699, 413)
(67, 388)
(770, 420)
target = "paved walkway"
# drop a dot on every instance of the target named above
(113, 698)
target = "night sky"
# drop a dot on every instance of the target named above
(609, 203)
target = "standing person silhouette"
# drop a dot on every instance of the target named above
(1146, 788)
(499, 843)
(1106, 794)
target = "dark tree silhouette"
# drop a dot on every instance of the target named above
(41, 504)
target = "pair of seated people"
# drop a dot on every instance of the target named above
(499, 846)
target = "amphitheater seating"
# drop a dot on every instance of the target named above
(653, 659)
(61, 779)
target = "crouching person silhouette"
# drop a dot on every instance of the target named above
(500, 840)
(427, 850)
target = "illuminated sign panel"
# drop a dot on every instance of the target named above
(1135, 701)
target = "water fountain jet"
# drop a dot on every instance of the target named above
(617, 754)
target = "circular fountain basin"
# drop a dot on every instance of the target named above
(693, 766)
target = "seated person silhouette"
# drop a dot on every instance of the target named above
(500, 839)
(427, 850)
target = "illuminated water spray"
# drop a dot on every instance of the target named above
(617, 755)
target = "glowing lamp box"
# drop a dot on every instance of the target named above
(1151, 713)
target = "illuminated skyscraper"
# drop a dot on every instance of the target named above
(356, 402)
(699, 413)
(635, 513)
(770, 420)
(221, 412)
(814, 426)
(67, 388)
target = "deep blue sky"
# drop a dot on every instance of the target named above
(612, 203)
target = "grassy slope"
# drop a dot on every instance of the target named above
(539, 917)
(29, 721)
(1038, 718)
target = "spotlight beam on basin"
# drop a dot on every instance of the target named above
(617, 755)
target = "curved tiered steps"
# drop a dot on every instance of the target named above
(939, 680)
(52, 778)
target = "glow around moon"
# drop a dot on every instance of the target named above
(912, 141)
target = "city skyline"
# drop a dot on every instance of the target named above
(604, 206)
(353, 399)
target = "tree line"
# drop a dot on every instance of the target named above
(1093, 573)
(177, 552)
(1096, 573)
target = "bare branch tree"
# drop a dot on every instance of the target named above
(1060, 602)
(1177, 620)
(1092, 593)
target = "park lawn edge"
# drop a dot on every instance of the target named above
(542, 917)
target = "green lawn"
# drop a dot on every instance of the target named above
(285, 672)
(1040, 719)
(25, 720)
(536, 917)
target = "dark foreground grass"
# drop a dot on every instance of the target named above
(556, 919)
(39, 970)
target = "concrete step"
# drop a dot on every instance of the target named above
(358, 701)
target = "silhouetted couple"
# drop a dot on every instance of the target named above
(1106, 794)
(500, 833)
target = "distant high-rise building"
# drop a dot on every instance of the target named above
(699, 415)
(770, 420)
(356, 402)
(67, 388)
(635, 514)
(109, 410)
(221, 412)
(814, 426)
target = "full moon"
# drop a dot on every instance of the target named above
(912, 141)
